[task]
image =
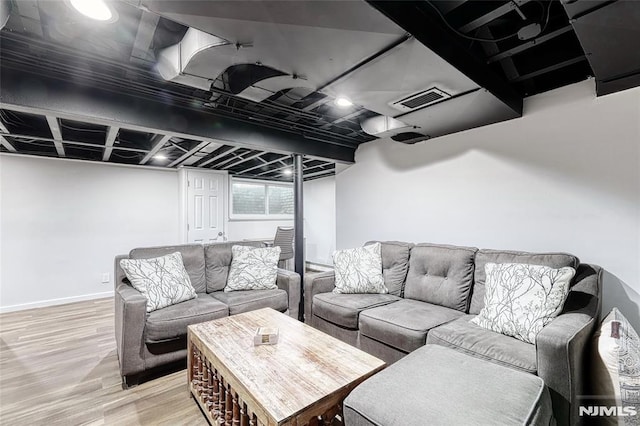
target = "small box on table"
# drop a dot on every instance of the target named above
(266, 336)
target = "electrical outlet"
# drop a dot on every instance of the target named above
(105, 277)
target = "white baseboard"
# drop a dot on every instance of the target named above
(53, 302)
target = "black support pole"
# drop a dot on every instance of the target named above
(299, 227)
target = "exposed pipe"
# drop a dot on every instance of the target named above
(298, 225)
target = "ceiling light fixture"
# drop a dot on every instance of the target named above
(95, 9)
(343, 102)
(160, 157)
(287, 172)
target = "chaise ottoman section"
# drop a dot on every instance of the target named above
(476, 341)
(435, 385)
(401, 327)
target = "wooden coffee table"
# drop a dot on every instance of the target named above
(302, 380)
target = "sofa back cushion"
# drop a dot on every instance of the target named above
(484, 256)
(218, 260)
(395, 264)
(192, 258)
(441, 274)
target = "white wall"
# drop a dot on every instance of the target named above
(320, 220)
(565, 177)
(62, 222)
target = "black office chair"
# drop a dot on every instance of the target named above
(284, 240)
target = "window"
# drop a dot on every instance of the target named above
(261, 200)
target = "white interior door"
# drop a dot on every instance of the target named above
(205, 206)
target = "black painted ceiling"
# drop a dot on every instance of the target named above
(48, 40)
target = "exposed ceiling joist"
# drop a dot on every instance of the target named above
(227, 161)
(341, 119)
(36, 94)
(494, 14)
(316, 104)
(268, 163)
(535, 42)
(277, 169)
(54, 125)
(216, 157)
(550, 68)
(507, 65)
(319, 166)
(287, 166)
(449, 5)
(244, 160)
(158, 142)
(73, 142)
(328, 172)
(4, 142)
(109, 141)
(189, 153)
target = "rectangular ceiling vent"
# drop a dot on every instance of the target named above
(420, 99)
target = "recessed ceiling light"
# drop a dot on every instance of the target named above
(343, 102)
(160, 157)
(287, 172)
(94, 9)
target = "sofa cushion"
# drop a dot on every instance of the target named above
(438, 386)
(171, 322)
(404, 324)
(192, 258)
(440, 274)
(344, 309)
(250, 300)
(218, 260)
(395, 264)
(484, 256)
(481, 343)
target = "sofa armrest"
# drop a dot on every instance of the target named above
(323, 282)
(562, 345)
(130, 319)
(289, 281)
(118, 272)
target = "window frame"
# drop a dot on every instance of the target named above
(265, 184)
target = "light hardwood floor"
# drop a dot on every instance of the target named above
(58, 365)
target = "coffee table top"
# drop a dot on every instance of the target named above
(303, 368)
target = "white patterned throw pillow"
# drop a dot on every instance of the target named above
(253, 268)
(616, 368)
(162, 280)
(359, 270)
(520, 299)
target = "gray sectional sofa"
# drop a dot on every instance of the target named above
(434, 291)
(149, 340)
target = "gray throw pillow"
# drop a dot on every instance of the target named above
(163, 281)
